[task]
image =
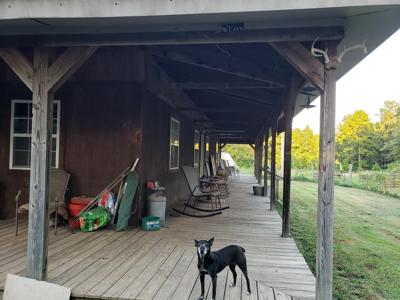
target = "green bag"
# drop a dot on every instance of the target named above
(94, 219)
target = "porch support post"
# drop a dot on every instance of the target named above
(42, 122)
(259, 151)
(289, 113)
(273, 163)
(324, 251)
(202, 153)
(266, 137)
(219, 153)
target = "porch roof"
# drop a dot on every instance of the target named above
(235, 78)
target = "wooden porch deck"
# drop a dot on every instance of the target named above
(162, 265)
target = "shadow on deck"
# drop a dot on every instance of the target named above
(163, 264)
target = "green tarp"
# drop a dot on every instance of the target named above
(128, 194)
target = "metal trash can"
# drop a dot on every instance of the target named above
(156, 203)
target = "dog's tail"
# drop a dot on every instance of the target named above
(243, 249)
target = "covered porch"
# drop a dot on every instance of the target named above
(163, 264)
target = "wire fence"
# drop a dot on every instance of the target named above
(387, 182)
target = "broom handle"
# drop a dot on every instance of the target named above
(109, 187)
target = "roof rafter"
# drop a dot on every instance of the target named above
(188, 60)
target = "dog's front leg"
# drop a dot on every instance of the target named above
(214, 287)
(202, 286)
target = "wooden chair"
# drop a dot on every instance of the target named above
(212, 177)
(58, 186)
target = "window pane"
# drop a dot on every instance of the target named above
(22, 143)
(21, 158)
(21, 110)
(196, 157)
(55, 105)
(53, 159)
(174, 157)
(174, 144)
(22, 120)
(21, 125)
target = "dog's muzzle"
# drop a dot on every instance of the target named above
(202, 250)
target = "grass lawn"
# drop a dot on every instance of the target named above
(367, 240)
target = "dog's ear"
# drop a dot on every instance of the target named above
(210, 242)
(196, 243)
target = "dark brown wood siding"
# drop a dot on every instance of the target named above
(100, 124)
(156, 120)
(108, 118)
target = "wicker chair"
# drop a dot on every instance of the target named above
(58, 186)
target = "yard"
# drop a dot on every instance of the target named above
(367, 240)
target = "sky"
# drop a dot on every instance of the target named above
(367, 86)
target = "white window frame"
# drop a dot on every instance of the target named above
(179, 140)
(196, 132)
(12, 134)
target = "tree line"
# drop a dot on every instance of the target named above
(359, 141)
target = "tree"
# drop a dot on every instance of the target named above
(305, 148)
(389, 130)
(353, 139)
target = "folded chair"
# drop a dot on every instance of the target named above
(197, 195)
(58, 186)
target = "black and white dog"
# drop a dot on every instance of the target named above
(212, 263)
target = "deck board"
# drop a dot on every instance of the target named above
(163, 264)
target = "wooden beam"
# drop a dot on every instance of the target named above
(66, 65)
(217, 86)
(156, 76)
(176, 38)
(187, 60)
(252, 146)
(240, 98)
(224, 110)
(303, 61)
(266, 138)
(21, 66)
(42, 122)
(324, 245)
(292, 95)
(273, 162)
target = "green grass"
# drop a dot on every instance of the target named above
(367, 240)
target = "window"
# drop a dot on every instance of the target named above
(21, 131)
(196, 148)
(174, 144)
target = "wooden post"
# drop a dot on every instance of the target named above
(42, 121)
(258, 163)
(43, 80)
(282, 151)
(219, 153)
(324, 251)
(273, 163)
(286, 178)
(202, 154)
(292, 94)
(255, 159)
(266, 137)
